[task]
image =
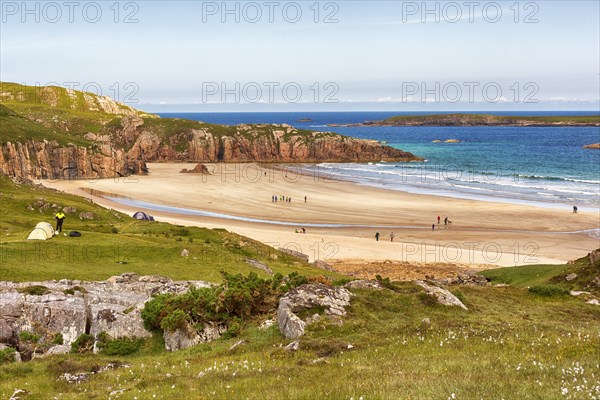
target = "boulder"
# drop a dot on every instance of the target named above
(73, 308)
(364, 284)
(187, 336)
(180, 339)
(198, 169)
(570, 277)
(86, 215)
(258, 264)
(322, 265)
(443, 296)
(308, 296)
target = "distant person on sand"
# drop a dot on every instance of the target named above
(377, 236)
(446, 221)
(305, 199)
(438, 219)
(303, 230)
(574, 209)
(392, 237)
(433, 227)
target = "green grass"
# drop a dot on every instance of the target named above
(509, 345)
(526, 275)
(143, 247)
(549, 275)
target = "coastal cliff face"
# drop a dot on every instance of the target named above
(247, 143)
(48, 160)
(57, 133)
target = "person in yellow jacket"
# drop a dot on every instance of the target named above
(60, 217)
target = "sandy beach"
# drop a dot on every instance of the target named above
(341, 218)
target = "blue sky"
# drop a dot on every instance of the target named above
(193, 56)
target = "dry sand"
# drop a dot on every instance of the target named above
(489, 233)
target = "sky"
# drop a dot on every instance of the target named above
(308, 56)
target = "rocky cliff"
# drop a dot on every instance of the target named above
(199, 142)
(57, 133)
(49, 160)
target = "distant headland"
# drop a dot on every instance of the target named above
(482, 120)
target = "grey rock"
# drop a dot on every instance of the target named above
(187, 337)
(443, 296)
(112, 306)
(307, 296)
(258, 264)
(180, 339)
(570, 277)
(293, 346)
(69, 210)
(322, 265)
(294, 253)
(364, 284)
(86, 215)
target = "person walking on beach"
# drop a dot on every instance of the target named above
(574, 209)
(392, 237)
(377, 236)
(446, 221)
(438, 219)
(433, 227)
(60, 217)
(305, 199)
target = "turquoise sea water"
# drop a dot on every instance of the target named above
(537, 165)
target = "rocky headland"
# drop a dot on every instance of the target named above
(57, 133)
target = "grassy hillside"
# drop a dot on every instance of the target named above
(511, 344)
(113, 243)
(530, 275)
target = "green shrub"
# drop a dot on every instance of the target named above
(114, 229)
(7, 355)
(234, 329)
(175, 320)
(28, 337)
(155, 310)
(548, 290)
(120, 347)
(57, 339)
(36, 290)
(236, 300)
(83, 344)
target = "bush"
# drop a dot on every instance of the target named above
(548, 290)
(120, 347)
(7, 355)
(83, 344)
(173, 321)
(57, 339)
(36, 290)
(114, 229)
(28, 337)
(237, 299)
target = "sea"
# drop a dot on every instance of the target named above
(542, 166)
